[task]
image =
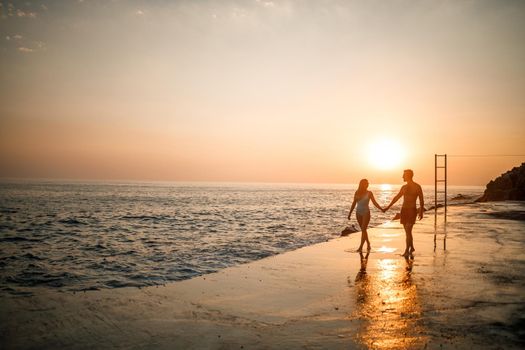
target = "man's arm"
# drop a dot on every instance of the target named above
(421, 203)
(396, 198)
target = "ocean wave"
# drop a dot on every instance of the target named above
(72, 221)
(19, 238)
(112, 236)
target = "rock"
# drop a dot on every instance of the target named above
(348, 230)
(460, 197)
(508, 186)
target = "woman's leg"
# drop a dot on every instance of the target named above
(363, 231)
(366, 221)
(363, 221)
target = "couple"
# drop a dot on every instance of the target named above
(410, 192)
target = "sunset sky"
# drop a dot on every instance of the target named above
(262, 91)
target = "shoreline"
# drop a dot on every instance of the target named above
(456, 292)
(27, 291)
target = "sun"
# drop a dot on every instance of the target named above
(386, 153)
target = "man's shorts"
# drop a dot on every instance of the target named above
(408, 216)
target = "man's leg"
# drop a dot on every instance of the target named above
(408, 238)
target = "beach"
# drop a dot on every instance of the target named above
(464, 288)
(195, 174)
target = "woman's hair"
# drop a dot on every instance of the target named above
(363, 185)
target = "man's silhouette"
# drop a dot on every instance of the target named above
(410, 192)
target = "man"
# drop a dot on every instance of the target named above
(410, 192)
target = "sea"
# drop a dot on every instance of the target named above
(76, 236)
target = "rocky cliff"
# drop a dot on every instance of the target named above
(508, 186)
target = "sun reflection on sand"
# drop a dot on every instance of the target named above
(388, 302)
(384, 249)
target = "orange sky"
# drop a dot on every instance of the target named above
(277, 91)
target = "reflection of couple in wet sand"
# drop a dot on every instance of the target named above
(388, 296)
(410, 192)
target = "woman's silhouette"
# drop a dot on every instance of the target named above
(361, 199)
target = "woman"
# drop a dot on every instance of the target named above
(361, 198)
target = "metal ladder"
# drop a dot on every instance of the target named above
(440, 183)
(440, 187)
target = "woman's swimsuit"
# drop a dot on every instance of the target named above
(362, 205)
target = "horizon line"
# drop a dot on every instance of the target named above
(225, 182)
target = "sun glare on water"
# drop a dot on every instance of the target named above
(385, 187)
(386, 154)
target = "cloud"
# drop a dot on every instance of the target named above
(266, 4)
(139, 12)
(10, 9)
(238, 12)
(25, 49)
(29, 47)
(14, 37)
(22, 13)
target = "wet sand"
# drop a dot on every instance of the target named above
(464, 288)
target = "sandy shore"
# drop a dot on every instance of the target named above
(465, 288)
